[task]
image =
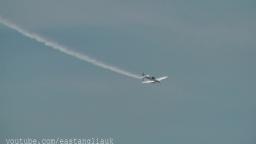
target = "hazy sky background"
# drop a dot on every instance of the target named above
(207, 48)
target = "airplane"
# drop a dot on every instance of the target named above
(147, 79)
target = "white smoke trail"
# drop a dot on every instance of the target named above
(66, 50)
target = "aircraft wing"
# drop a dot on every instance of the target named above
(148, 81)
(162, 78)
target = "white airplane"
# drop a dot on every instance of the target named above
(146, 79)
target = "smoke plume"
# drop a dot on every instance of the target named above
(66, 50)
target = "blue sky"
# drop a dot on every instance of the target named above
(207, 48)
